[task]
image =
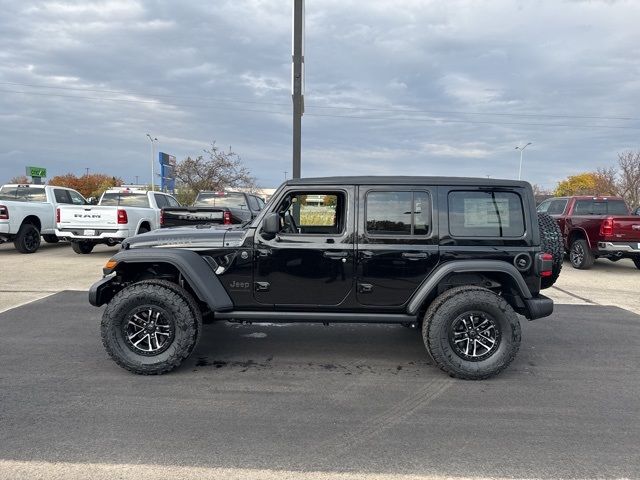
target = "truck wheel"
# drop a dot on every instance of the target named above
(474, 334)
(82, 247)
(50, 238)
(580, 255)
(551, 242)
(28, 238)
(149, 328)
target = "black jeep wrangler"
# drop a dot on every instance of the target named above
(461, 257)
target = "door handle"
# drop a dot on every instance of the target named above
(366, 254)
(335, 254)
(414, 256)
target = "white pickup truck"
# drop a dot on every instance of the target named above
(120, 213)
(28, 211)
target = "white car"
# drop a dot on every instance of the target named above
(28, 211)
(121, 213)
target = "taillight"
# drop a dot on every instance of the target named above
(4, 213)
(122, 216)
(606, 229)
(227, 218)
(545, 264)
(57, 215)
(161, 217)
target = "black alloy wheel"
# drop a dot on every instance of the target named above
(474, 336)
(28, 238)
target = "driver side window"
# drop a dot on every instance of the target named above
(320, 213)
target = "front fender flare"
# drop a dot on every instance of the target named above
(195, 270)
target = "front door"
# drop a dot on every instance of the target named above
(311, 259)
(397, 243)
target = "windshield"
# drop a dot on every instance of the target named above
(23, 193)
(233, 200)
(125, 199)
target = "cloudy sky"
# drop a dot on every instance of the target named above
(411, 87)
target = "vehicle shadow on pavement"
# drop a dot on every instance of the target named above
(354, 398)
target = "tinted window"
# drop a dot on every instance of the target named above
(600, 207)
(125, 199)
(253, 203)
(161, 200)
(62, 196)
(556, 207)
(485, 214)
(23, 194)
(225, 199)
(398, 213)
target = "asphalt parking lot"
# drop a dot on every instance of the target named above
(307, 401)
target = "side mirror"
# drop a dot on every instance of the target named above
(92, 201)
(271, 223)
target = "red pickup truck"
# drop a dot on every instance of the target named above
(594, 227)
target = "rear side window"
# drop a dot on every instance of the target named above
(557, 207)
(161, 200)
(253, 203)
(62, 196)
(398, 213)
(485, 214)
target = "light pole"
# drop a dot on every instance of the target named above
(153, 157)
(521, 150)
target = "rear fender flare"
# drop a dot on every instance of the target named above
(465, 266)
(194, 269)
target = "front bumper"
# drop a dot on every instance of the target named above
(619, 247)
(102, 291)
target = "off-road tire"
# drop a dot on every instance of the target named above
(50, 238)
(458, 302)
(551, 242)
(28, 238)
(580, 255)
(170, 297)
(83, 248)
(636, 262)
(436, 303)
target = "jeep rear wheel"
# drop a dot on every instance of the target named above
(474, 334)
(551, 242)
(580, 255)
(28, 238)
(149, 328)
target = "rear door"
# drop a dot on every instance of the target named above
(397, 245)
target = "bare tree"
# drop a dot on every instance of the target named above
(539, 190)
(606, 181)
(217, 170)
(22, 179)
(629, 184)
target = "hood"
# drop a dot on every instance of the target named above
(200, 237)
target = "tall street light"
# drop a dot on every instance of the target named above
(521, 150)
(153, 157)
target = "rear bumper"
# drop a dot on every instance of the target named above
(100, 235)
(538, 307)
(619, 247)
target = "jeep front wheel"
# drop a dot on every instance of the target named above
(149, 328)
(473, 334)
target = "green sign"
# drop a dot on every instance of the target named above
(36, 172)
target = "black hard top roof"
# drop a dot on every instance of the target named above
(407, 180)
